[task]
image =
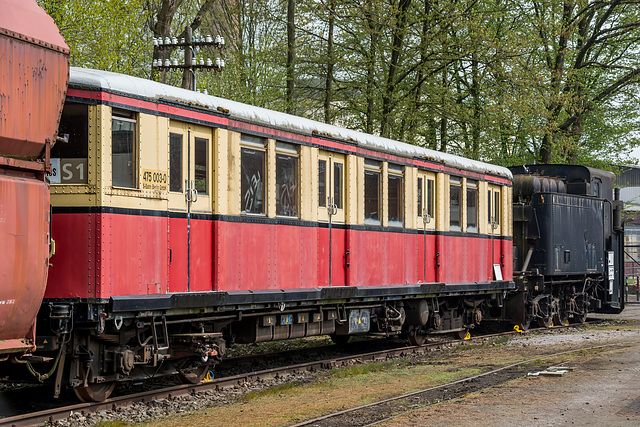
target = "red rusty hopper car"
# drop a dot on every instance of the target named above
(34, 72)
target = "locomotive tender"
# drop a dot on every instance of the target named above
(568, 244)
(185, 222)
(34, 69)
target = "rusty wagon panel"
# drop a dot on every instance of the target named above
(33, 78)
(34, 72)
(24, 258)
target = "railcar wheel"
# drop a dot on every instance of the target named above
(581, 318)
(417, 339)
(545, 322)
(561, 319)
(526, 323)
(193, 375)
(95, 392)
(460, 335)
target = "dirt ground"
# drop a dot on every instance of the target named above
(603, 390)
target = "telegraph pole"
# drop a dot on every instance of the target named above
(191, 46)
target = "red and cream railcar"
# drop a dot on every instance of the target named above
(185, 222)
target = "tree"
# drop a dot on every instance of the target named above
(590, 54)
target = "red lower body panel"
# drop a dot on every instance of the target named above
(103, 254)
(106, 254)
(24, 257)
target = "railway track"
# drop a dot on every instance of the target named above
(51, 415)
(388, 409)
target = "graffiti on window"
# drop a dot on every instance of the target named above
(286, 185)
(253, 182)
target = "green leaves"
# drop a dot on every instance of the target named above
(505, 81)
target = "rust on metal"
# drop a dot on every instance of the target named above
(33, 79)
(24, 257)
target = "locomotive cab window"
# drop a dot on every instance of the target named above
(253, 186)
(124, 149)
(69, 159)
(287, 180)
(455, 201)
(372, 190)
(596, 185)
(395, 192)
(472, 206)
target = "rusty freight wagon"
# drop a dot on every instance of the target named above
(34, 71)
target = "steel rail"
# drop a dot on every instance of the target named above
(54, 414)
(442, 386)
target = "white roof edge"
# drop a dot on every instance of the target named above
(149, 89)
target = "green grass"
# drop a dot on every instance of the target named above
(366, 368)
(111, 424)
(271, 391)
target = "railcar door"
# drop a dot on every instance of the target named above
(190, 208)
(331, 217)
(426, 223)
(494, 226)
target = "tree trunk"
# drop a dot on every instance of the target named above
(475, 124)
(371, 65)
(417, 91)
(291, 54)
(330, 63)
(390, 88)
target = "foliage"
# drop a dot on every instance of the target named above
(505, 81)
(104, 34)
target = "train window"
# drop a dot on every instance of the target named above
(419, 197)
(252, 165)
(395, 196)
(322, 183)
(431, 184)
(175, 162)
(69, 160)
(337, 184)
(372, 192)
(124, 167)
(287, 184)
(493, 217)
(426, 187)
(472, 206)
(455, 200)
(201, 165)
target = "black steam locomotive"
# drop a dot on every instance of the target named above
(568, 245)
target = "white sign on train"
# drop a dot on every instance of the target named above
(68, 171)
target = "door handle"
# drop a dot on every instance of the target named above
(191, 194)
(332, 208)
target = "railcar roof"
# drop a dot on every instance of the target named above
(121, 83)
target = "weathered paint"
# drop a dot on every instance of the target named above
(33, 78)
(24, 253)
